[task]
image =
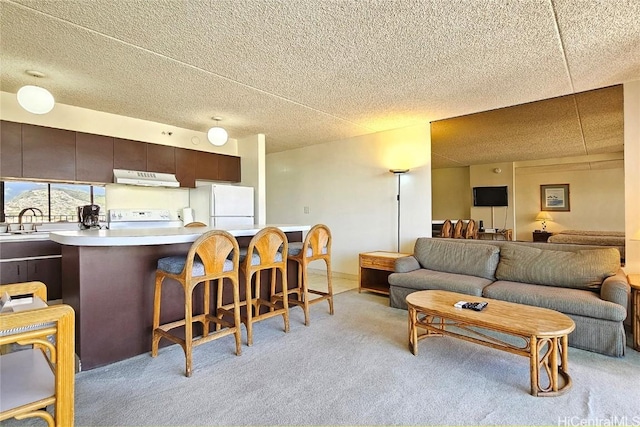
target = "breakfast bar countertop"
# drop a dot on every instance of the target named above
(156, 236)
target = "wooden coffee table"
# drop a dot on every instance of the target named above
(543, 333)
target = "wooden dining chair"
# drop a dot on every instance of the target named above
(213, 257)
(42, 374)
(316, 246)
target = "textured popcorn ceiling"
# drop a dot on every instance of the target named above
(310, 71)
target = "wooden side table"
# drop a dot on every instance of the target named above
(541, 236)
(634, 281)
(375, 268)
(494, 235)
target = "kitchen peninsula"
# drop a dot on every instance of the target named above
(108, 278)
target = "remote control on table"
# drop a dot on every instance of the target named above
(477, 306)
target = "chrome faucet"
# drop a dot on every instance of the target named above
(21, 214)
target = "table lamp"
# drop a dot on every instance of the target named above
(544, 217)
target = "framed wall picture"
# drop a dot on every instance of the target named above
(555, 197)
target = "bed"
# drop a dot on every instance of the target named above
(586, 237)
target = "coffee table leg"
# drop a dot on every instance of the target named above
(554, 362)
(413, 330)
(533, 364)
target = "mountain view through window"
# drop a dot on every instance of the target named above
(57, 202)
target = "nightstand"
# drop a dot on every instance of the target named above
(541, 236)
(375, 268)
(634, 281)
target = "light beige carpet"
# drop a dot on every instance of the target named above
(353, 368)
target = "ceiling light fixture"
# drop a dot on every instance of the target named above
(35, 99)
(217, 135)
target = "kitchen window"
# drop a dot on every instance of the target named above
(57, 202)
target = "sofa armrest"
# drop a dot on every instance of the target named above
(616, 289)
(406, 264)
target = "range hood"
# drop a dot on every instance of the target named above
(147, 179)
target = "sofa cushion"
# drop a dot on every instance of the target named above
(429, 279)
(567, 301)
(585, 269)
(457, 257)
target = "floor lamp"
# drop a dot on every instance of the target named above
(398, 173)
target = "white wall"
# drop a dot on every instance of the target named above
(252, 152)
(596, 200)
(97, 122)
(133, 197)
(632, 175)
(347, 186)
(486, 176)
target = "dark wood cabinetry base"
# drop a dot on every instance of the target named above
(111, 289)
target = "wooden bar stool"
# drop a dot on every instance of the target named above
(471, 232)
(447, 229)
(265, 252)
(316, 246)
(458, 230)
(207, 261)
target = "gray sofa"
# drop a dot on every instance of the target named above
(584, 282)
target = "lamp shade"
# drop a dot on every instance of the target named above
(217, 136)
(398, 171)
(35, 99)
(544, 216)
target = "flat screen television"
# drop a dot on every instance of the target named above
(490, 196)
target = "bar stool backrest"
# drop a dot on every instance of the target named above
(213, 248)
(271, 245)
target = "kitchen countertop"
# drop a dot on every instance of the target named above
(155, 236)
(24, 237)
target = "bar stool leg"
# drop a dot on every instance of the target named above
(157, 298)
(305, 291)
(329, 285)
(188, 328)
(250, 305)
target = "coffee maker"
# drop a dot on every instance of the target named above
(88, 216)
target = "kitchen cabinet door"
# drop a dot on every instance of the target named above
(13, 272)
(49, 272)
(48, 153)
(10, 149)
(207, 166)
(186, 167)
(229, 168)
(129, 154)
(161, 158)
(94, 158)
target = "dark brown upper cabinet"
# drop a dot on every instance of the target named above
(94, 158)
(38, 152)
(10, 149)
(161, 158)
(129, 154)
(186, 167)
(207, 166)
(48, 153)
(229, 168)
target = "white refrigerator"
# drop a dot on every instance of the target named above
(222, 206)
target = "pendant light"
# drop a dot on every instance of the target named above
(216, 135)
(35, 99)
